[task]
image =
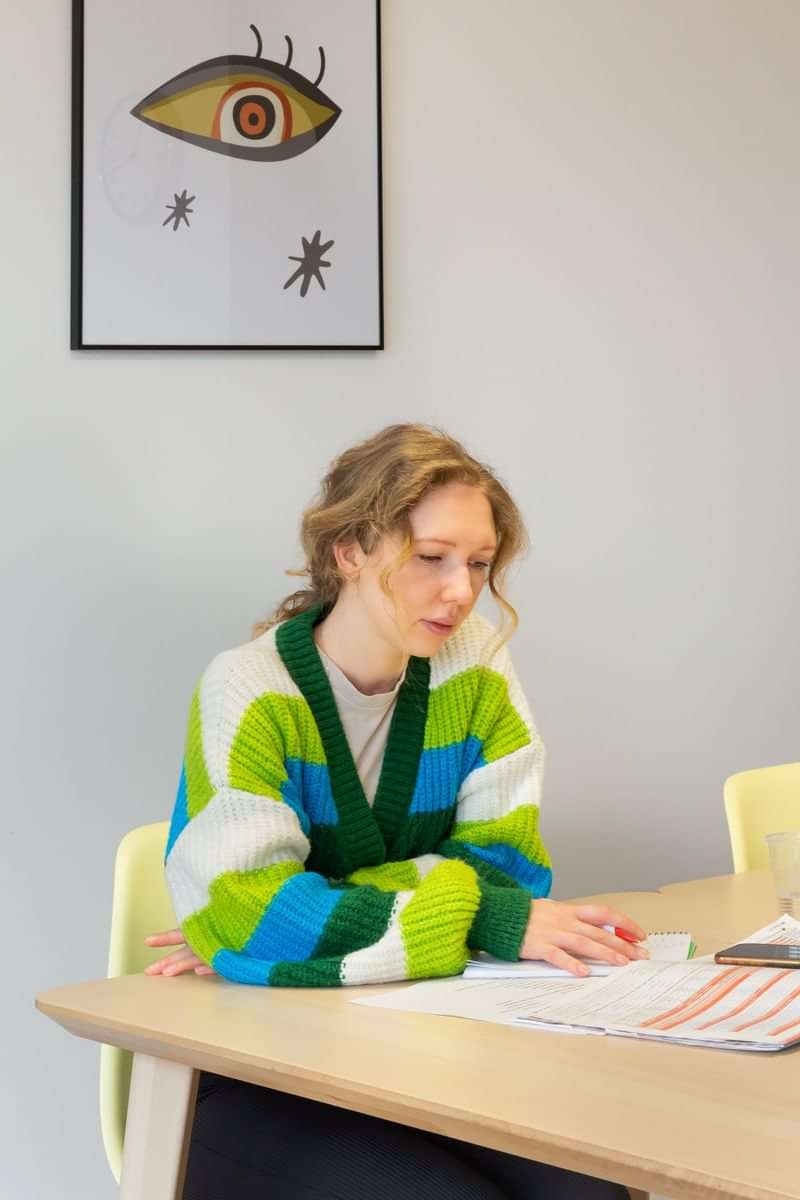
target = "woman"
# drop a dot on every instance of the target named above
(359, 803)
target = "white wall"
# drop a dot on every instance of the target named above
(591, 273)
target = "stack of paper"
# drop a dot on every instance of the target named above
(663, 947)
(696, 1003)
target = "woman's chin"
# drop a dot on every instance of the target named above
(425, 641)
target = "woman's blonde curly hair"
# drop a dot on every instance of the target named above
(369, 492)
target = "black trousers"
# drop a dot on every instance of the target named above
(252, 1143)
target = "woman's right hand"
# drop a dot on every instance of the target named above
(181, 960)
(563, 934)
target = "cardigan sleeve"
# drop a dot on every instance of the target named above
(235, 869)
(496, 825)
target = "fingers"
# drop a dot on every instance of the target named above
(599, 914)
(559, 958)
(594, 922)
(601, 937)
(563, 934)
(588, 947)
(565, 947)
(175, 964)
(169, 937)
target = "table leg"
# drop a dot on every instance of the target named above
(158, 1129)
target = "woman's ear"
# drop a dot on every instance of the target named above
(350, 559)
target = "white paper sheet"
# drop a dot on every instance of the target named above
(496, 1000)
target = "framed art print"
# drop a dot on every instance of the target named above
(226, 175)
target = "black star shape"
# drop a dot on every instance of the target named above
(310, 262)
(179, 210)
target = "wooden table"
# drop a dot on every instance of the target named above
(683, 1121)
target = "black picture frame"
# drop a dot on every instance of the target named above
(77, 216)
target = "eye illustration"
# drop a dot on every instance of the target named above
(243, 106)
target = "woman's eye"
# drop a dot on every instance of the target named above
(481, 566)
(241, 105)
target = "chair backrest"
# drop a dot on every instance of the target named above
(141, 905)
(766, 800)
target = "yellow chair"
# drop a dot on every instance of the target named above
(141, 905)
(759, 802)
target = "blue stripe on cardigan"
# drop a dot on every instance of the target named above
(441, 772)
(295, 920)
(241, 969)
(534, 877)
(312, 782)
(180, 815)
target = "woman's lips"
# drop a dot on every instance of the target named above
(437, 627)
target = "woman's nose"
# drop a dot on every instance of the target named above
(459, 585)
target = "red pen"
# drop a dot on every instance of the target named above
(621, 933)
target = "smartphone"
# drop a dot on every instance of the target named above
(758, 954)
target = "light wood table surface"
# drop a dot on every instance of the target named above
(682, 1121)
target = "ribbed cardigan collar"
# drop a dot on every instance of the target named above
(365, 831)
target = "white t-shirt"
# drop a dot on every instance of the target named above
(366, 721)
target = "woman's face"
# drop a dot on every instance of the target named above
(454, 542)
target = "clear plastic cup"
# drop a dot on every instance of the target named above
(784, 859)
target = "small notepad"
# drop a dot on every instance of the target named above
(664, 946)
(672, 946)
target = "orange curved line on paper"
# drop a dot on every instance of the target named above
(782, 1028)
(709, 1002)
(695, 996)
(771, 1012)
(732, 1012)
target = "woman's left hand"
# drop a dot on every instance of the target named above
(564, 934)
(181, 960)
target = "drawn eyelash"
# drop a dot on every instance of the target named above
(244, 106)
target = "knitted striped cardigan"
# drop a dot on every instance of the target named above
(281, 873)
